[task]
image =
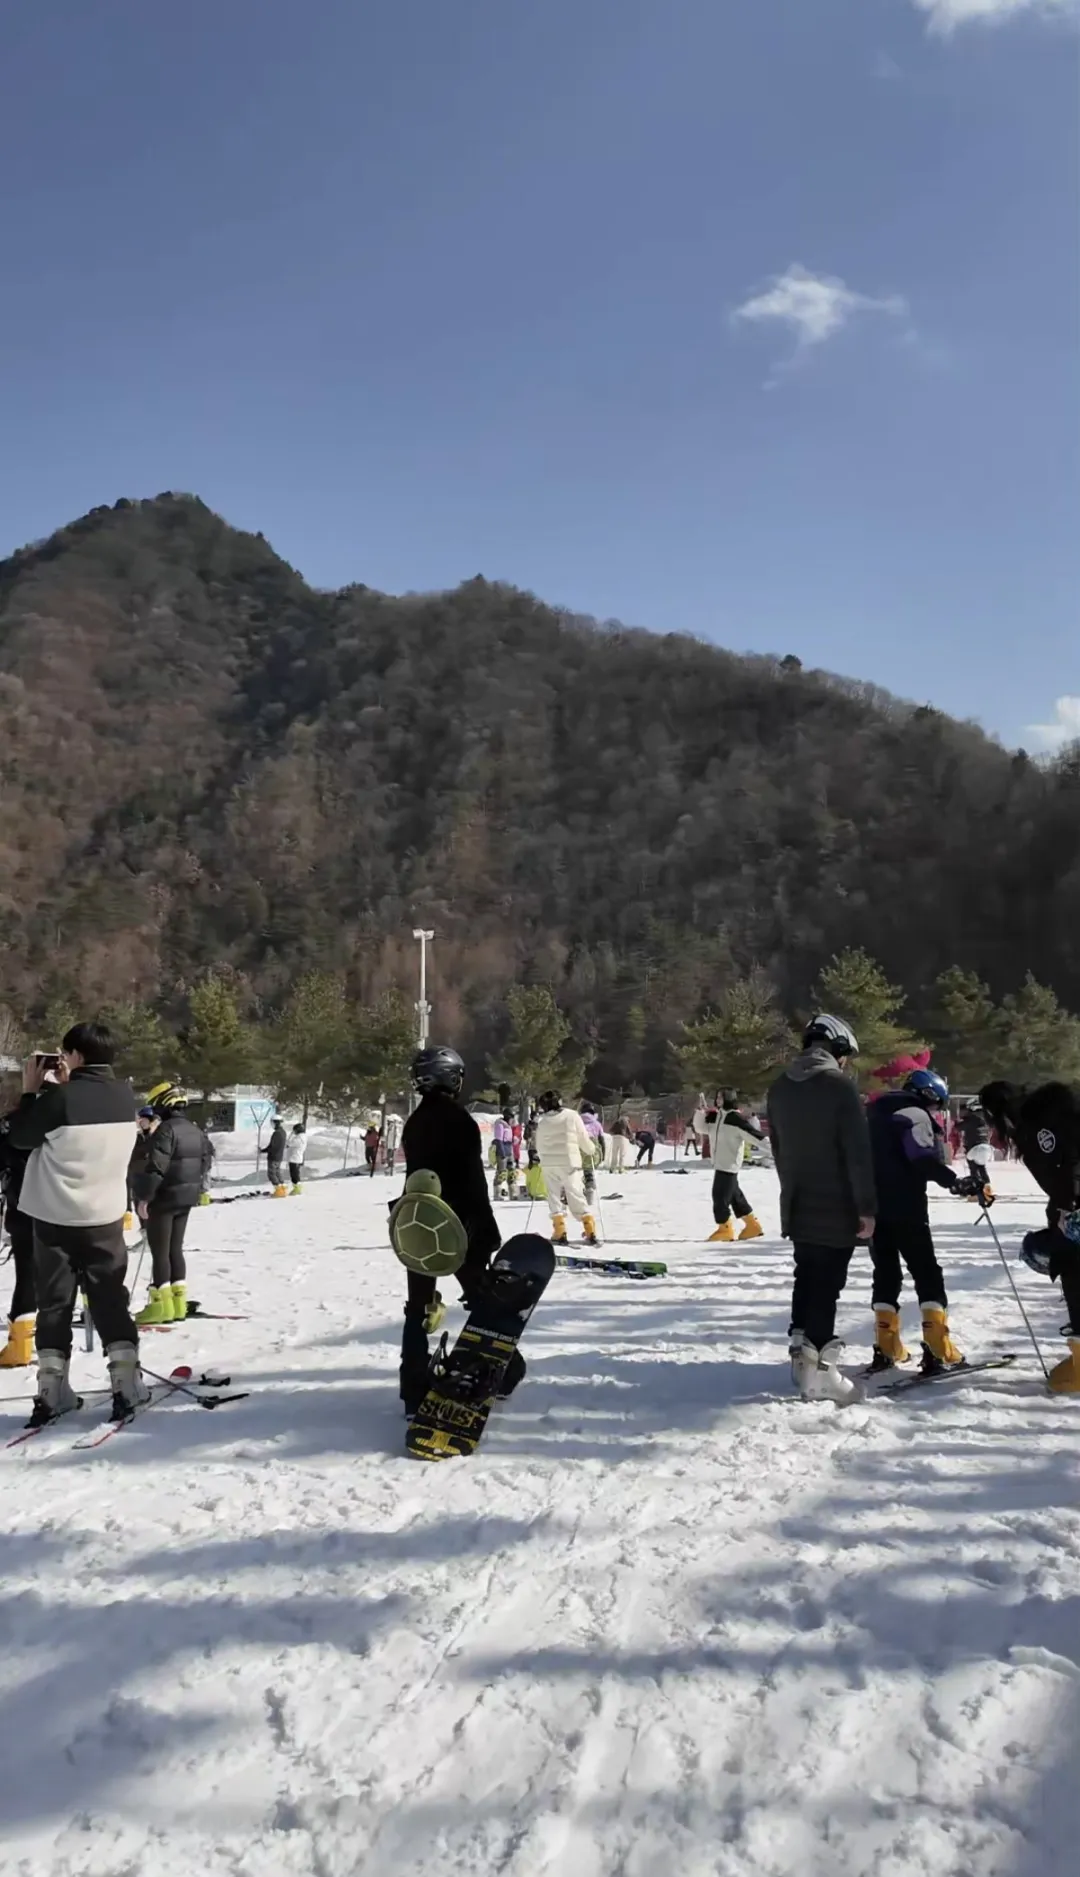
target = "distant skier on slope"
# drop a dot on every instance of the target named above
(594, 1128)
(821, 1145)
(440, 1136)
(565, 1149)
(908, 1147)
(1044, 1124)
(728, 1128)
(276, 1152)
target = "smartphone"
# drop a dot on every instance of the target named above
(48, 1058)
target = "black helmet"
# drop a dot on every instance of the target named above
(587, 1108)
(550, 1102)
(833, 1034)
(438, 1068)
(508, 1114)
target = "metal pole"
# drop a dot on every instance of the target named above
(1015, 1292)
(423, 1008)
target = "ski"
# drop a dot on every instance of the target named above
(959, 1372)
(611, 1267)
(31, 1433)
(171, 1385)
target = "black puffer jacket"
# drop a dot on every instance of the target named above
(179, 1157)
(821, 1145)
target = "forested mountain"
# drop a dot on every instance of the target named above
(203, 761)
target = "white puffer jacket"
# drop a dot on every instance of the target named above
(562, 1142)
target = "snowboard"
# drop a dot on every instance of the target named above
(465, 1380)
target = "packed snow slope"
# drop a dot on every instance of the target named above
(667, 1619)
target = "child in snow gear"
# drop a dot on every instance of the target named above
(177, 1163)
(502, 1137)
(78, 1133)
(441, 1137)
(594, 1128)
(276, 1149)
(908, 1147)
(821, 1145)
(1044, 1124)
(297, 1148)
(728, 1128)
(18, 1351)
(565, 1149)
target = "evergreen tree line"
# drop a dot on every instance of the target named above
(325, 1050)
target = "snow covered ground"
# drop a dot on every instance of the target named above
(667, 1619)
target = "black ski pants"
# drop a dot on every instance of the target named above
(296, 1171)
(24, 1296)
(820, 1275)
(897, 1242)
(93, 1258)
(276, 1173)
(165, 1237)
(728, 1197)
(421, 1296)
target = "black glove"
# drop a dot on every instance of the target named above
(971, 1188)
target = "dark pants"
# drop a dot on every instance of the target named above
(93, 1257)
(165, 1237)
(24, 1296)
(371, 1155)
(276, 1172)
(820, 1275)
(728, 1197)
(296, 1172)
(414, 1342)
(910, 1240)
(1069, 1275)
(645, 1152)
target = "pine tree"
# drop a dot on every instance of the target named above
(854, 986)
(965, 1029)
(1040, 1041)
(311, 1044)
(742, 1044)
(216, 1049)
(146, 1051)
(535, 1048)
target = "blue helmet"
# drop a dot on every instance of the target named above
(929, 1086)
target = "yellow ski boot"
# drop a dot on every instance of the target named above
(558, 1230)
(588, 1226)
(160, 1308)
(178, 1293)
(752, 1227)
(18, 1351)
(939, 1350)
(888, 1342)
(1064, 1376)
(723, 1235)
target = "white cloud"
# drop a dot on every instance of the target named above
(813, 307)
(1065, 727)
(946, 15)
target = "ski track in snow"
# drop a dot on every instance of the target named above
(668, 1617)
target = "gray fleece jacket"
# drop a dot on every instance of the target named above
(821, 1145)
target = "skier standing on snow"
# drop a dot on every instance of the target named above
(1044, 1125)
(594, 1128)
(372, 1142)
(620, 1145)
(729, 1127)
(502, 1137)
(297, 1155)
(79, 1134)
(441, 1137)
(276, 1149)
(821, 1145)
(391, 1140)
(178, 1160)
(908, 1148)
(565, 1149)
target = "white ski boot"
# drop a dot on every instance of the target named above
(55, 1394)
(129, 1390)
(815, 1372)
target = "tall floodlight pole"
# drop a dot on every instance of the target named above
(423, 1008)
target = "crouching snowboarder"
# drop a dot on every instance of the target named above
(1044, 1124)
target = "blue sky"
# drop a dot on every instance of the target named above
(752, 318)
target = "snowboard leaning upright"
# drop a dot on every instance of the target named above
(465, 1380)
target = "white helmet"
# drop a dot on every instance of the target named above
(833, 1033)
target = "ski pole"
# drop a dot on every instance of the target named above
(204, 1401)
(1015, 1292)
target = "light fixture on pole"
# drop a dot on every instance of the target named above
(423, 1008)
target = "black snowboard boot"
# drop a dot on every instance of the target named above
(415, 1370)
